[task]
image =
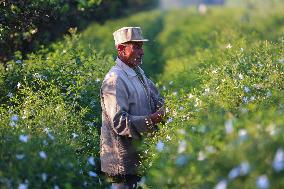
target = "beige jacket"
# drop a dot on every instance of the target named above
(126, 106)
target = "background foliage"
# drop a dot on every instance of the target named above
(27, 24)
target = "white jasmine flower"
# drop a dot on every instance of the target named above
(10, 95)
(214, 71)
(181, 160)
(90, 124)
(182, 146)
(281, 61)
(210, 149)
(271, 129)
(18, 85)
(74, 135)
(201, 156)
(229, 126)
(92, 174)
(46, 130)
(197, 102)
(234, 173)
(20, 156)
(13, 124)
(85, 183)
(23, 186)
(278, 162)
(142, 182)
(24, 114)
(24, 138)
(37, 75)
(206, 91)
(221, 185)
(241, 170)
(243, 134)
(45, 142)
(42, 155)
(169, 120)
(34, 31)
(268, 94)
(189, 95)
(167, 110)
(181, 131)
(229, 46)
(91, 160)
(245, 99)
(160, 146)
(93, 103)
(44, 177)
(262, 182)
(175, 93)
(168, 138)
(244, 168)
(15, 118)
(246, 89)
(50, 136)
(242, 50)
(241, 76)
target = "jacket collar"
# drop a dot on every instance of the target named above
(129, 71)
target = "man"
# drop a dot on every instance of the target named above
(131, 108)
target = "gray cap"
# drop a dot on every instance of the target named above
(127, 34)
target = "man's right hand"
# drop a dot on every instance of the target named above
(158, 116)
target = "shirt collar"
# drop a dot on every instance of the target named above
(129, 71)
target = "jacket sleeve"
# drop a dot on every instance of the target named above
(115, 104)
(156, 97)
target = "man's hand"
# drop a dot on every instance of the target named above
(158, 116)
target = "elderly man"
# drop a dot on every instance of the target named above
(131, 108)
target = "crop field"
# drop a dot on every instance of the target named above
(222, 76)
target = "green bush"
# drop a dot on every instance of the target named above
(224, 101)
(51, 107)
(25, 25)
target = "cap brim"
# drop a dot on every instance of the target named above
(140, 40)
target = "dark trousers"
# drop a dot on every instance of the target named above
(124, 181)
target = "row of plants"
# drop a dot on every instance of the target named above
(223, 83)
(49, 118)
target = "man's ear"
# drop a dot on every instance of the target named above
(120, 47)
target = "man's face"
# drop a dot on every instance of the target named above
(133, 53)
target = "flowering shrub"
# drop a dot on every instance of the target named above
(224, 107)
(221, 125)
(50, 118)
